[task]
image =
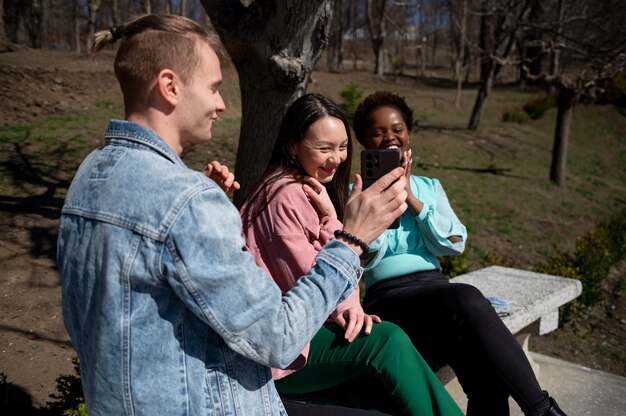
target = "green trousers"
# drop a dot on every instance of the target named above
(381, 371)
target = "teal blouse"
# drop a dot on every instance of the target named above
(415, 245)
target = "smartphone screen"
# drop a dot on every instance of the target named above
(376, 163)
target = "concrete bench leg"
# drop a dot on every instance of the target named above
(523, 341)
(549, 322)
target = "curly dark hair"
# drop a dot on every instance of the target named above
(374, 101)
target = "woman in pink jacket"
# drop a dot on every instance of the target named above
(291, 212)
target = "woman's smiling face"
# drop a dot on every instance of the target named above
(386, 129)
(323, 149)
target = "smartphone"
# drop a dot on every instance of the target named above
(376, 163)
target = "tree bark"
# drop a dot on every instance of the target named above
(76, 19)
(377, 27)
(117, 18)
(487, 66)
(491, 40)
(334, 52)
(555, 58)
(274, 45)
(34, 26)
(566, 101)
(183, 7)
(460, 53)
(5, 44)
(484, 90)
(93, 6)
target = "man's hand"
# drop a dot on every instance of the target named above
(352, 321)
(222, 176)
(368, 213)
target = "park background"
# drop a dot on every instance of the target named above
(499, 172)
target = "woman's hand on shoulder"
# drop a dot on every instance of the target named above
(222, 176)
(353, 320)
(319, 198)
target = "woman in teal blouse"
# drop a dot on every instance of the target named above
(448, 323)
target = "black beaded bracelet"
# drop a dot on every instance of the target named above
(353, 239)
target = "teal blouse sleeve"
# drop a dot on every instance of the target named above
(437, 220)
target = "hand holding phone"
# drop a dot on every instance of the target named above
(376, 163)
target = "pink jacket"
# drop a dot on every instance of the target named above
(285, 239)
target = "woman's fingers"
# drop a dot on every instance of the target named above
(221, 175)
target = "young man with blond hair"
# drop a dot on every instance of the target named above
(167, 312)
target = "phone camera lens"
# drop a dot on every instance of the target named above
(369, 173)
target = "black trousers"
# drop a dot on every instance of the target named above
(453, 323)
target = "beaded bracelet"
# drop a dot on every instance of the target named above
(353, 239)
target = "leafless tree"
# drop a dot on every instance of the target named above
(76, 25)
(92, 14)
(501, 23)
(5, 44)
(117, 17)
(377, 25)
(274, 46)
(458, 10)
(555, 56)
(591, 40)
(334, 52)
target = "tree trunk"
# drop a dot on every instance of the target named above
(377, 27)
(530, 50)
(488, 64)
(147, 6)
(434, 37)
(489, 45)
(76, 18)
(93, 6)
(34, 26)
(44, 25)
(379, 51)
(334, 52)
(274, 46)
(117, 18)
(566, 101)
(460, 57)
(555, 58)
(481, 98)
(5, 44)
(183, 7)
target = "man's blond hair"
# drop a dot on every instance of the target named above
(151, 43)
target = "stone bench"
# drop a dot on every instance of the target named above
(534, 299)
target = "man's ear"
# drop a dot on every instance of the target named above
(168, 86)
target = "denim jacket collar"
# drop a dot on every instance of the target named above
(136, 133)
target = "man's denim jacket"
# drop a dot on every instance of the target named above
(167, 312)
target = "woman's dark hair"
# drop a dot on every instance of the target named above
(377, 100)
(300, 115)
